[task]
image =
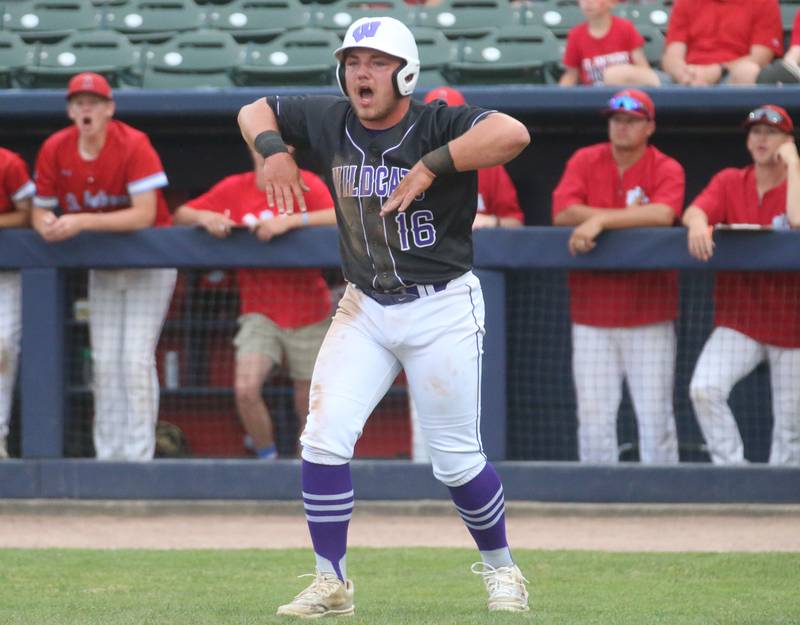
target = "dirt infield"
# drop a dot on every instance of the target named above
(269, 525)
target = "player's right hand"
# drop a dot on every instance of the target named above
(701, 242)
(217, 225)
(283, 184)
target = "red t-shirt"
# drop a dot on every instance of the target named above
(497, 194)
(592, 55)
(290, 297)
(796, 30)
(764, 305)
(126, 165)
(15, 183)
(716, 31)
(621, 298)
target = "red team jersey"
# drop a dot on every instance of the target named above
(126, 165)
(716, 31)
(621, 298)
(497, 194)
(592, 55)
(15, 183)
(763, 305)
(289, 297)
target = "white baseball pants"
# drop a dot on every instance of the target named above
(127, 308)
(727, 357)
(10, 333)
(644, 356)
(438, 340)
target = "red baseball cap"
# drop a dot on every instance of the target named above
(632, 102)
(770, 115)
(89, 82)
(453, 97)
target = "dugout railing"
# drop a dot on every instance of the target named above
(43, 472)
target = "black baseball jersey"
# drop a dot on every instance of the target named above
(432, 240)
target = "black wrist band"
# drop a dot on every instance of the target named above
(440, 161)
(268, 143)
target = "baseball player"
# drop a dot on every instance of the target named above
(104, 175)
(283, 311)
(622, 322)
(402, 177)
(755, 313)
(16, 191)
(498, 207)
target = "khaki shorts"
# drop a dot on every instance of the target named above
(260, 335)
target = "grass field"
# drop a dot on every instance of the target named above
(396, 587)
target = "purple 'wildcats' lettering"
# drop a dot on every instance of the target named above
(365, 30)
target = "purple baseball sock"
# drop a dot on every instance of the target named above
(481, 504)
(328, 502)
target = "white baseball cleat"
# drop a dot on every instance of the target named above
(505, 585)
(326, 596)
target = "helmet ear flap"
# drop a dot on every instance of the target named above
(340, 78)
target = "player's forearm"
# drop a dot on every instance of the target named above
(674, 61)
(124, 220)
(569, 78)
(576, 214)
(255, 118)
(493, 141)
(695, 217)
(638, 216)
(187, 216)
(310, 218)
(39, 218)
(15, 219)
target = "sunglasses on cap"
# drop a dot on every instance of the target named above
(765, 115)
(628, 104)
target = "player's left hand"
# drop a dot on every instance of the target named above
(266, 229)
(583, 237)
(415, 182)
(65, 227)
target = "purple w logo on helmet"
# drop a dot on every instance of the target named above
(365, 30)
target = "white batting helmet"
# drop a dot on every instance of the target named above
(387, 35)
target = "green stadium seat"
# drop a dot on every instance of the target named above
(653, 43)
(101, 51)
(154, 20)
(337, 16)
(560, 16)
(655, 14)
(299, 57)
(15, 55)
(465, 18)
(258, 20)
(514, 54)
(204, 58)
(49, 20)
(436, 52)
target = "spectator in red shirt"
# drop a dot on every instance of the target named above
(283, 311)
(605, 49)
(709, 40)
(756, 314)
(622, 322)
(787, 69)
(101, 174)
(16, 191)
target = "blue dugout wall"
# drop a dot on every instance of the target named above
(41, 472)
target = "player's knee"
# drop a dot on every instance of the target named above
(324, 454)
(703, 393)
(456, 469)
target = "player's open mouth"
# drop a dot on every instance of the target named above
(365, 95)
(86, 121)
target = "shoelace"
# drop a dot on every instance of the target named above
(501, 581)
(321, 587)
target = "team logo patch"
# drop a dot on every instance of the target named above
(365, 30)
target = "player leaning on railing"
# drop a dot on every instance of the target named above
(403, 179)
(755, 313)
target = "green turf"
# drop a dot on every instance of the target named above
(396, 587)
